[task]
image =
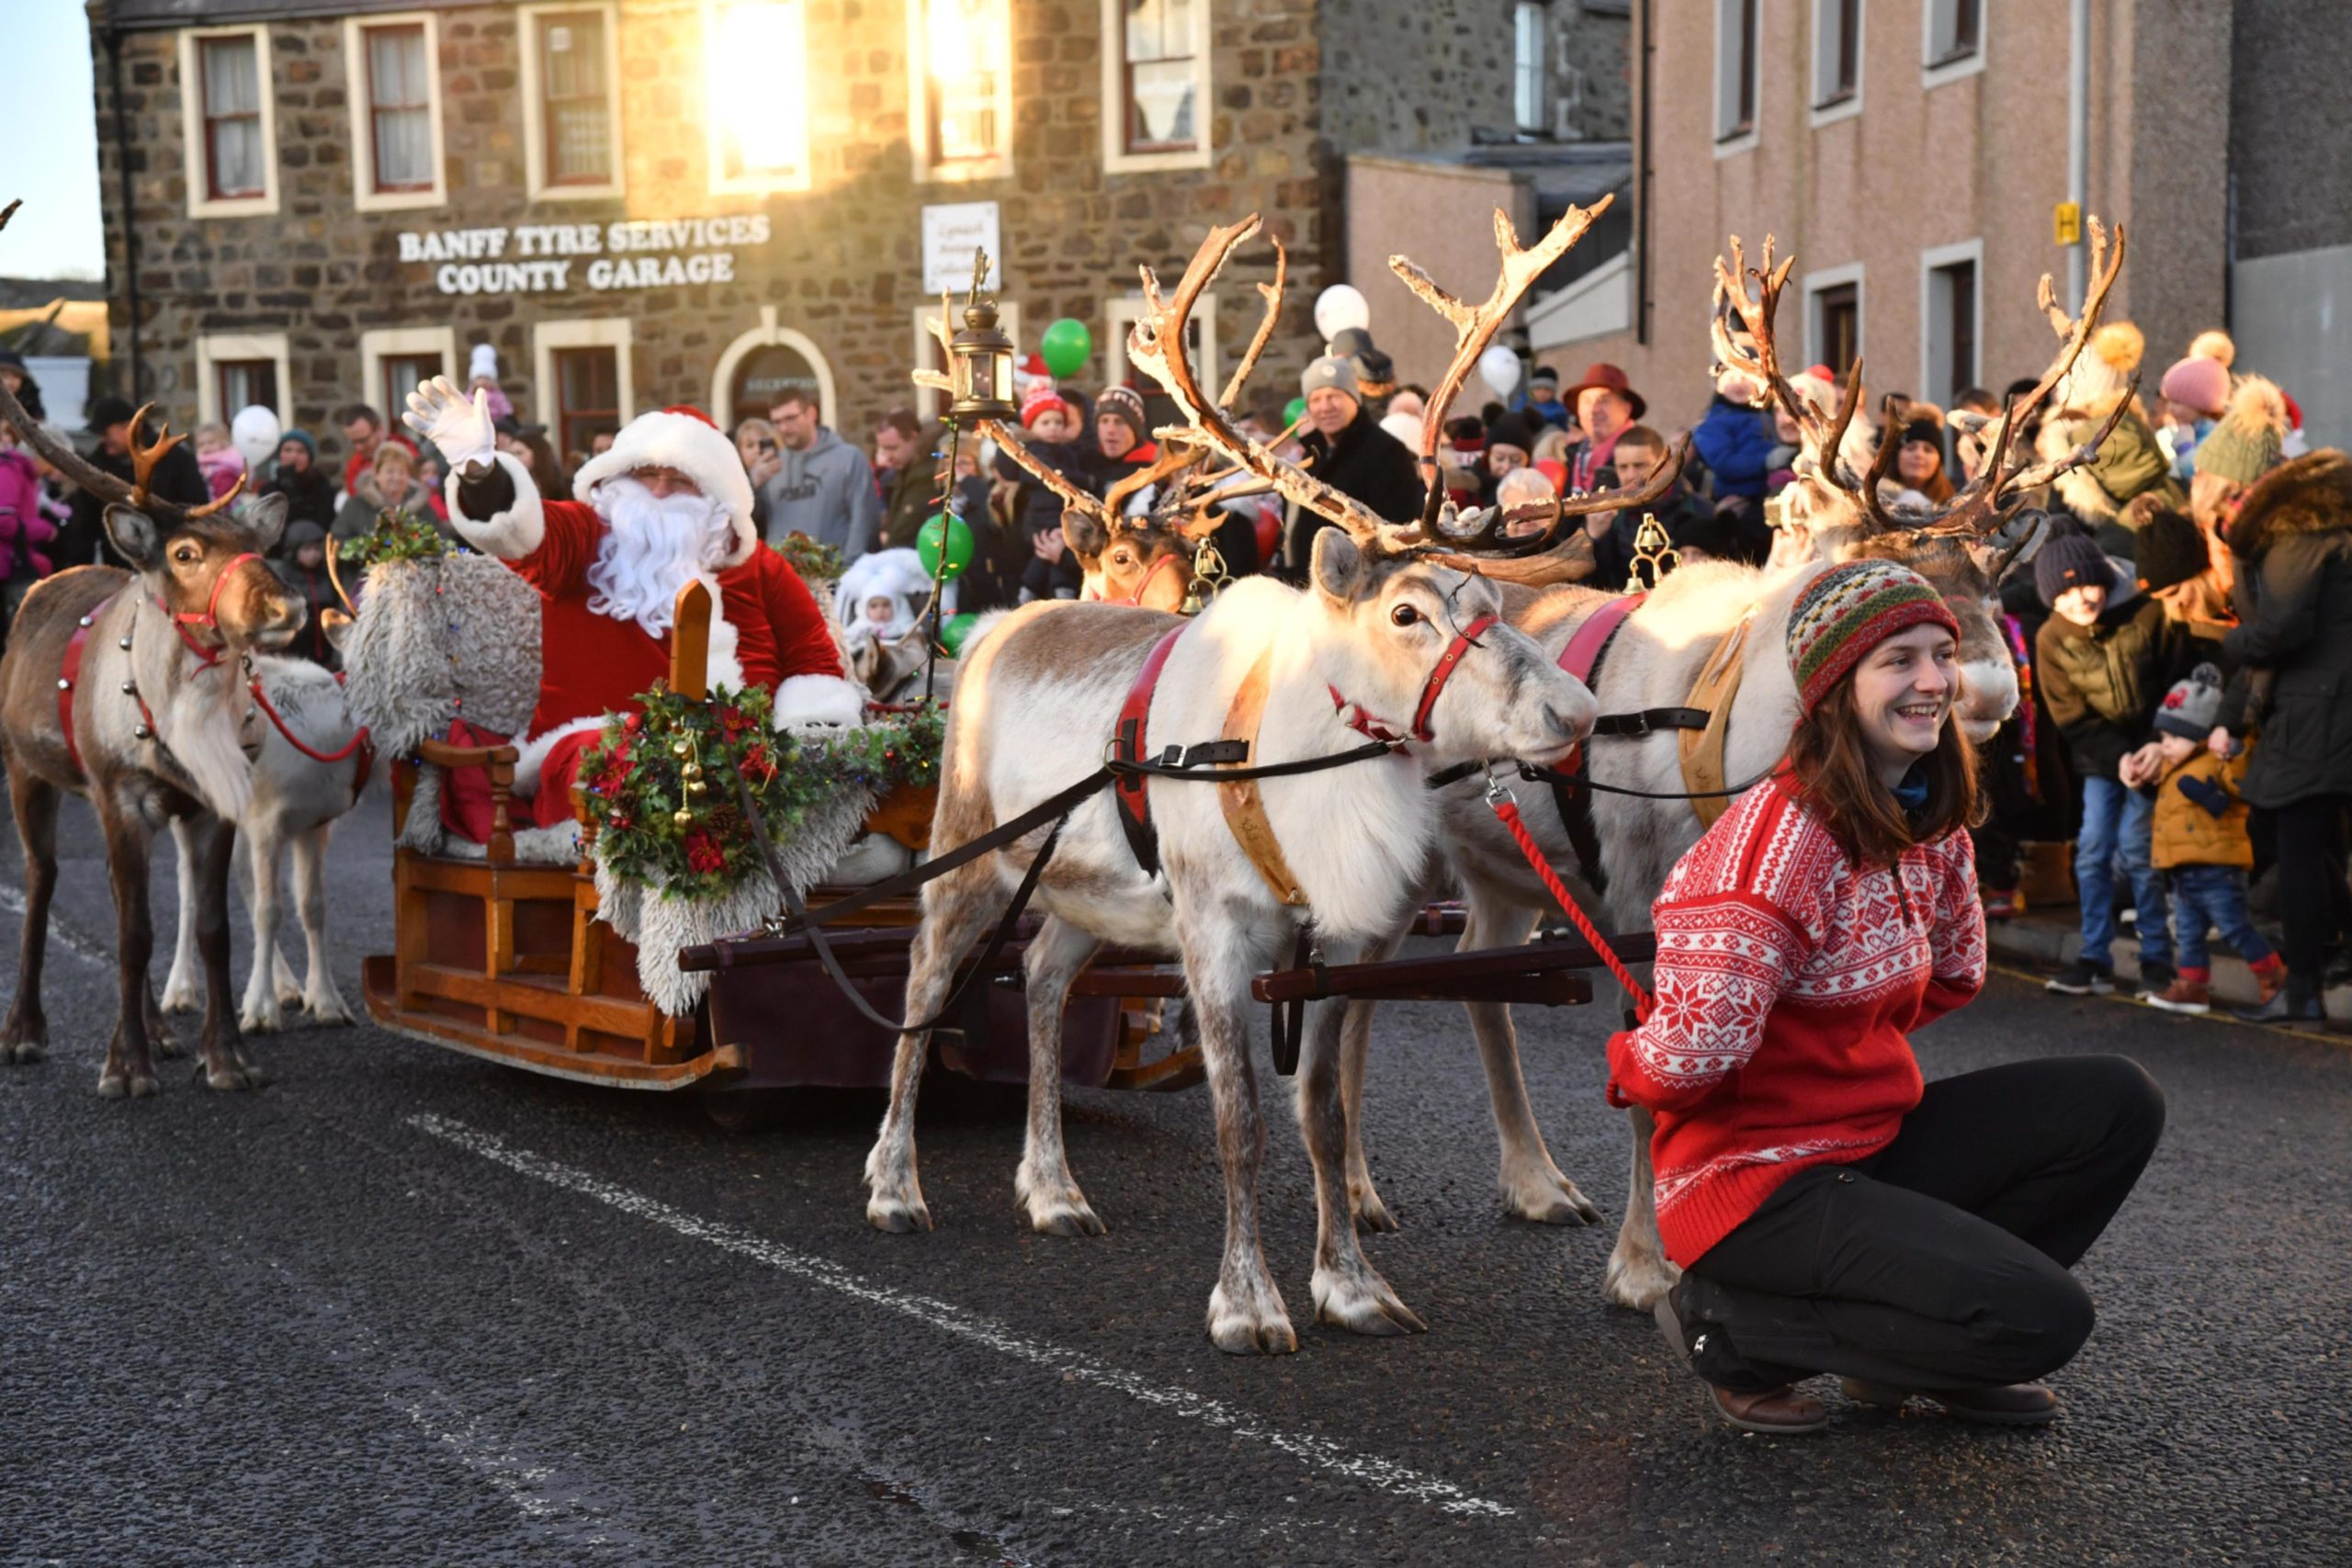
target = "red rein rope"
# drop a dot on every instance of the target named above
(262, 699)
(1508, 810)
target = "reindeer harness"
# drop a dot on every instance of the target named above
(70, 671)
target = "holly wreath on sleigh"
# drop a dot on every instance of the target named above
(581, 698)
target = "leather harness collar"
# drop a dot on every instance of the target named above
(1244, 811)
(69, 676)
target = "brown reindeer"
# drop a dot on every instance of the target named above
(128, 687)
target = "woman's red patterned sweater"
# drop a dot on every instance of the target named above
(1787, 981)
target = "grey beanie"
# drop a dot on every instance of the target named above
(1331, 371)
(2193, 706)
(2071, 561)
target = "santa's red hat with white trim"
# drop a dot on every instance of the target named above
(685, 438)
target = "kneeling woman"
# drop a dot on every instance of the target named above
(1830, 1212)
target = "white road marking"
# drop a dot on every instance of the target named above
(61, 932)
(1075, 1366)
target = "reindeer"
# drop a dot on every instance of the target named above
(296, 798)
(1297, 674)
(1654, 662)
(147, 725)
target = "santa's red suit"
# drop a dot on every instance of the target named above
(766, 628)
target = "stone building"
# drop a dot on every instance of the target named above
(1913, 156)
(640, 202)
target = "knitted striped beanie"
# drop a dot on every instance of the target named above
(1848, 611)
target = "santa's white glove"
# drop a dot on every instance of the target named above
(442, 415)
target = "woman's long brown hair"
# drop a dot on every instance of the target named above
(1835, 778)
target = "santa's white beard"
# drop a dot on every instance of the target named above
(652, 548)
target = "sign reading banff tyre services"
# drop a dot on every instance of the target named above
(540, 258)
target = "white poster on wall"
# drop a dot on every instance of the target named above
(950, 233)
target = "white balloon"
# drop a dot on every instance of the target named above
(1340, 307)
(1498, 367)
(254, 432)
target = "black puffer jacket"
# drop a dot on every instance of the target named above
(1365, 461)
(2102, 683)
(2293, 541)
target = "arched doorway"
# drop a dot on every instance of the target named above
(759, 365)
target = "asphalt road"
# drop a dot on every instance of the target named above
(403, 1307)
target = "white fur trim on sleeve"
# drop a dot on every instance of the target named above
(532, 754)
(721, 666)
(803, 700)
(510, 534)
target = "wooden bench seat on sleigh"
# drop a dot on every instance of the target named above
(501, 949)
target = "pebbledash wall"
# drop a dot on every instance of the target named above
(694, 285)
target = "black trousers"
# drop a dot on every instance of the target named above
(1940, 1261)
(2311, 887)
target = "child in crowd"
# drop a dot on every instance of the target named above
(302, 566)
(1053, 427)
(220, 460)
(2104, 666)
(2200, 842)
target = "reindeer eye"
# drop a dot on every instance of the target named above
(184, 555)
(1405, 615)
(1122, 558)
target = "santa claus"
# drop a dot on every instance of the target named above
(669, 504)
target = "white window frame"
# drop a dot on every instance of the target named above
(1819, 283)
(534, 116)
(1929, 260)
(1541, 67)
(1934, 75)
(719, 182)
(927, 169)
(379, 344)
(1120, 313)
(1726, 144)
(200, 202)
(930, 402)
(1116, 159)
(766, 334)
(365, 196)
(1825, 63)
(590, 332)
(219, 348)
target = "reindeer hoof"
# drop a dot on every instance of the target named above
(181, 999)
(226, 1078)
(143, 1085)
(1363, 1304)
(1551, 1201)
(114, 1085)
(290, 996)
(1637, 1282)
(331, 1014)
(260, 1021)
(1259, 1329)
(1066, 1219)
(1370, 1214)
(24, 1053)
(164, 1043)
(900, 1217)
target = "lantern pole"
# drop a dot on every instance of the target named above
(944, 501)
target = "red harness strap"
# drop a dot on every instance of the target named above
(1136, 598)
(358, 745)
(1127, 745)
(1364, 722)
(1584, 651)
(210, 619)
(69, 676)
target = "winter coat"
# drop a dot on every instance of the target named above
(2293, 540)
(176, 480)
(359, 510)
(826, 492)
(1736, 444)
(221, 470)
(1035, 508)
(317, 596)
(25, 533)
(2131, 462)
(310, 495)
(2200, 813)
(1364, 461)
(907, 497)
(2102, 683)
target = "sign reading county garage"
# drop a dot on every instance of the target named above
(541, 258)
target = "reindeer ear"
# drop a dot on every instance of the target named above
(266, 517)
(1084, 534)
(134, 535)
(1340, 568)
(2015, 542)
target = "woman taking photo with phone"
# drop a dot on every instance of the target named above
(1830, 1212)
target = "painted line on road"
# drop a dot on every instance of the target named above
(61, 931)
(1324, 1455)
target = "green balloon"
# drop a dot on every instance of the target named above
(955, 629)
(958, 536)
(1293, 410)
(1067, 347)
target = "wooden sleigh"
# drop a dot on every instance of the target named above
(507, 961)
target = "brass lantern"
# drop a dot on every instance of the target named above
(981, 366)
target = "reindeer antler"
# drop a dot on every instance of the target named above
(1174, 457)
(1491, 534)
(1762, 364)
(1473, 329)
(1272, 293)
(1156, 346)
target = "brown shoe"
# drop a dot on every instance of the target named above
(2268, 983)
(2016, 1404)
(2183, 996)
(1780, 1412)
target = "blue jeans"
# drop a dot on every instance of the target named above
(2213, 897)
(2116, 823)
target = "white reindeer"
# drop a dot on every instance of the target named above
(294, 803)
(1036, 700)
(1654, 662)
